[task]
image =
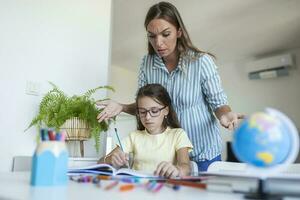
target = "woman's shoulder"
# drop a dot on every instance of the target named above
(149, 60)
(148, 57)
(198, 59)
(200, 56)
(204, 61)
(205, 57)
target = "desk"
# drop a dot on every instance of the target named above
(15, 185)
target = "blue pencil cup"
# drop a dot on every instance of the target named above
(49, 164)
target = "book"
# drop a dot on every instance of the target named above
(284, 183)
(106, 169)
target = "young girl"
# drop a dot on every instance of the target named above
(159, 145)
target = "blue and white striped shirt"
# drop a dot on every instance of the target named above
(195, 89)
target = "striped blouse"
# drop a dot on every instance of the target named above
(195, 89)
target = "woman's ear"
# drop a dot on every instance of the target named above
(179, 33)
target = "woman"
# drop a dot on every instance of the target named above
(191, 78)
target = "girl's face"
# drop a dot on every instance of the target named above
(162, 35)
(152, 114)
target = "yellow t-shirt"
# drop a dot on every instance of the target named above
(149, 150)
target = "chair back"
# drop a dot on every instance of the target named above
(21, 163)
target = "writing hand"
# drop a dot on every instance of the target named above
(119, 159)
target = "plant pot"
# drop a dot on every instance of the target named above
(76, 130)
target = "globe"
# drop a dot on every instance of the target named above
(266, 141)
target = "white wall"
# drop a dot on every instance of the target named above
(66, 42)
(248, 96)
(244, 95)
(125, 83)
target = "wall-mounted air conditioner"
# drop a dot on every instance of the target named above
(270, 67)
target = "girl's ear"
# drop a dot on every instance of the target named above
(179, 33)
(166, 111)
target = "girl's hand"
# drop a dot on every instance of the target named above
(119, 159)
(111, 109)
(167, 169)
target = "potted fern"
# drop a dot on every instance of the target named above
(76, 114)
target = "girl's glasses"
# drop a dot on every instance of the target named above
(154, 111)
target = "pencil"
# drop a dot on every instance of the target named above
(119, 141)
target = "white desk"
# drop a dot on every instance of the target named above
(15, 185)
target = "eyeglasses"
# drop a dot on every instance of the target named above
(154, 111)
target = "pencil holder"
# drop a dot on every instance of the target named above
(49, 164)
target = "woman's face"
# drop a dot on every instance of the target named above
(151, 114)
(162, 35)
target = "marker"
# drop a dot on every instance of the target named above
(173, 186)
(187, 183)
(97, 181)
(130, 180)
(51, 134)
(43, 133)
(127, 187)
(150, 185)
(58, 136)
(63, 136)
(101, 177)
(158, 187)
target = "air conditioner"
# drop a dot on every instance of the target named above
(270, 67)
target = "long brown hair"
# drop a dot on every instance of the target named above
(168, 12)
(160, 95)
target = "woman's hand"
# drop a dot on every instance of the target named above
(167, 169)
(111, 109)
(229, 120)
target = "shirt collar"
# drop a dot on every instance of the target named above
(159, 64)
(166, 130)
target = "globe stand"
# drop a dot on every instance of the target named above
(261, 194)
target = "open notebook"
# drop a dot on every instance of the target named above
(106, 169)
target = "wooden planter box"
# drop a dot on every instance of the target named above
(76, 130)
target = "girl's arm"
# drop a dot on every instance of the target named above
(182, 168)
(183, 162)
